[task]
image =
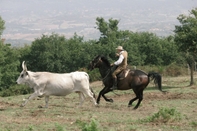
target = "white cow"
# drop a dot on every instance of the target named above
(47, 84)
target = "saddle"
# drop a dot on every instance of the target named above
(123, 74)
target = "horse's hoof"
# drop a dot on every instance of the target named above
(111, 100)
(135, 108)
(40, 106)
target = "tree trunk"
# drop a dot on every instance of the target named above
(192, 74)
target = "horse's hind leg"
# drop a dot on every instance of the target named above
(131, 101)
(139, 100)
(139, 96)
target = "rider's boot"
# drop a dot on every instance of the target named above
(114, 87)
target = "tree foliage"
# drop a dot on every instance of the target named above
(186, 33)
(186, 37)
(9, 61)
(2, 26)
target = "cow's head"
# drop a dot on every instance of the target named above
(24, 75)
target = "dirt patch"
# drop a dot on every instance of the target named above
(4, 105)
(169, 95)
(37, 113)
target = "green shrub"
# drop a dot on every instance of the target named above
(59, 127)
(193, 124)
(94, 75)
(16, 90)
(91, 126)
(175, 70)
(164, 115)
(170, 70)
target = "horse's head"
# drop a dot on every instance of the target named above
(98, 61)
(95, 63)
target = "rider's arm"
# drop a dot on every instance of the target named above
(119, 61)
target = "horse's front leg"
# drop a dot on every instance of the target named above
(102, 93)
(99, 96)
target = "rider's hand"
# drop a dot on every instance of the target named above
(112, 64)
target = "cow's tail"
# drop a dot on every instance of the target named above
(157, 79)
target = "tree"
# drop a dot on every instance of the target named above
(108, 30)
(2, 27)
(47, 53)
(8, 65)
(8, 62)
(54, 53)
(186, 38)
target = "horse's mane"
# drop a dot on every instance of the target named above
(105, 60)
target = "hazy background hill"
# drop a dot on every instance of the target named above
(27, 20)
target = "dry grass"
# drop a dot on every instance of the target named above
(63, 113)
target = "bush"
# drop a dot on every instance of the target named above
(164, 115)
(170, 70)
(16, 90)
(59, 127)
(193, 124)
(91, 126)
(94, 75)
(175, 70)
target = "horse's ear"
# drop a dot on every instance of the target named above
(100, 57)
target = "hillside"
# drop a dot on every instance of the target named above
(27, 20)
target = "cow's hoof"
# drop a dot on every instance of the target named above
(97, 105)
(40, 106)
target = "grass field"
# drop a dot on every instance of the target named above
(173, 111)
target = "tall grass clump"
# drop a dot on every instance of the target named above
(91, 126)
(59, 127)
(175, 70)
(164, 115)
(193, 124)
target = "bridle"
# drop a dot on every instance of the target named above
(108, 71)
(96, 63)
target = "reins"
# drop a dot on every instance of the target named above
(108, 71)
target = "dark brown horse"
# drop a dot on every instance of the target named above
(136, 80)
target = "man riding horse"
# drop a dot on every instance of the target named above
(137, 80)
(121, 63)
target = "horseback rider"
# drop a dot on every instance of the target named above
(121, 63)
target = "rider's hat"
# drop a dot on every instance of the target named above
(119, 48)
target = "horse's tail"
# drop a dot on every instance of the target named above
(157, 79)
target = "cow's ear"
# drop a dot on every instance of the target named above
(24, 66)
